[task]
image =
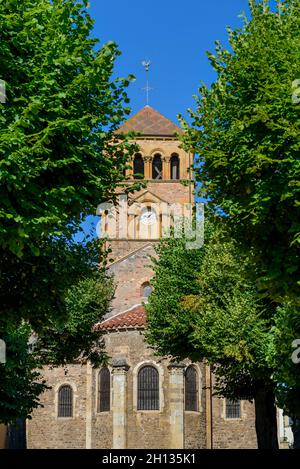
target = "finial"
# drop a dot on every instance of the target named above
(146, 64)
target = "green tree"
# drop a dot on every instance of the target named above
(284, 357)
(32, 288)
(59, 156)
(82, 294)
(204, 307)
(246, 133)
(20, 381)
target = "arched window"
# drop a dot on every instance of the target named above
(175, 174)
(146, 290)
(104, 390)
(148, 388)
(65, 401)
(191, 389)
(138, 166)
(157, 167)
(233, 409)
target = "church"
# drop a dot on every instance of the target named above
(140, 400)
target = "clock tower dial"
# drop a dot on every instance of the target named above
(148, 217)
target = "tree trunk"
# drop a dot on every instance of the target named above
(266, 419)
(296, 433)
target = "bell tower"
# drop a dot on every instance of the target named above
(139, 221)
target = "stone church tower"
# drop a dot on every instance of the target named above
(137, 228)
(140, 400)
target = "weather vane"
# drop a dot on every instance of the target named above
(146, 64)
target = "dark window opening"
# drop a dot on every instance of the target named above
(148, 389)
(175, 174)
(157, 167)
(65, 401)
(104, 390)
(138, 167)
(191, 389)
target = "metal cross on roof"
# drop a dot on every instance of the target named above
(146, 64)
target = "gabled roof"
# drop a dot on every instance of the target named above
(134, 317)
(147, 244)
(148, 122)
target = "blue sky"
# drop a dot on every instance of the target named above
(175, 36)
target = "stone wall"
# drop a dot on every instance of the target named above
(46, 430)
(93, 429)
(195, 434)
(172, 192)
(233, 433)
(129, 275)
(145, 429)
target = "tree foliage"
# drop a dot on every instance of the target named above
(59, 158)
(58, 153)
(285, 358)
(205, 307)
(86, 303)
(202, 307)
(246, 132)
(82, 294)
(20, 383)
(33, 287)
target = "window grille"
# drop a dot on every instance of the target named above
(104, 390)
(191, 389)
(148, 389)
(233, 409)
(65, 401)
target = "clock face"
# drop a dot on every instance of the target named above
(148, 218)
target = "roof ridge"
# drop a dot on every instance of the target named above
(118, 314)
(134, 317)
(131, 253)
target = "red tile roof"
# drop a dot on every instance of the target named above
(133, 317)
(148, 121)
